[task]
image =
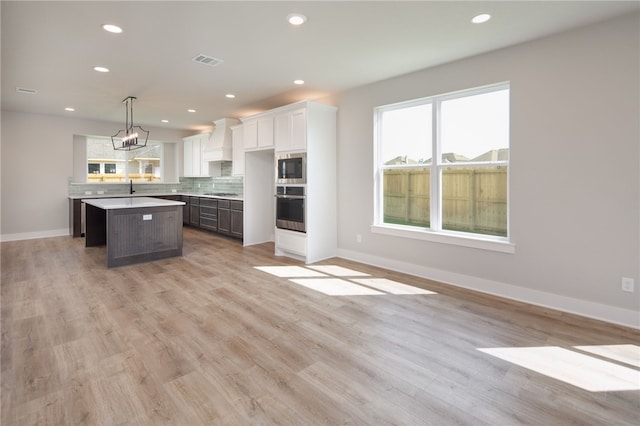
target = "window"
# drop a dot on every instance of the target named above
(442, 164)
(108, 165)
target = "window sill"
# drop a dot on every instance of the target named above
(498, 244)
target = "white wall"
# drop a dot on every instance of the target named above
(36, 165)
(574, 182)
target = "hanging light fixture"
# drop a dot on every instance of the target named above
(131, 138)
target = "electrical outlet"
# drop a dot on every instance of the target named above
(628, 284)
(359, 238)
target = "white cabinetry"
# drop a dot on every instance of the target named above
(291, 242)
(237, 138)
(250, 135)
(258, 133)
(193, 155)
(301, 127)
(291, 131)
(311, 127)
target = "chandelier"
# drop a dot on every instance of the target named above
(133, 137)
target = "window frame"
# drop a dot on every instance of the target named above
(435, 232)
(129, 155)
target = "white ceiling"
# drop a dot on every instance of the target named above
(52, 47)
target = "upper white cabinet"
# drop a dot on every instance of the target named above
(291, 130)
(258, 132)
(250, 135)
(237, 138)
(193, 161)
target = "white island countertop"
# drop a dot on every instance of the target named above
(130, 202)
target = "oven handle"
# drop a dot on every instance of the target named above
(291, 197)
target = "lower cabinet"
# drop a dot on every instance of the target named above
(224, 220)
(237, 216)
(194, 211)
(291, 242)
(185, 209)
(75, 218)
(209, 214)
(216, 214)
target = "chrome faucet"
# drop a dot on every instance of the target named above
(131, 191)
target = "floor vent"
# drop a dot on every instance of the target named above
(26, 91)
(207, 60)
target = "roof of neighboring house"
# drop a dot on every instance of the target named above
(400, 159)
(451, 157)
(494, 155)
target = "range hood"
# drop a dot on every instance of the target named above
(220, 147)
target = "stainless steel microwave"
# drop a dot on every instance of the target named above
(291, 168)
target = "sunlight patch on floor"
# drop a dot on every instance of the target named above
(335, 280)
(390, 286)
(629, 354)
(584, 371)
(338, 271)
(290, 271)
(335, 287)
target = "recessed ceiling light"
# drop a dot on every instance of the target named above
(165, 121)
(191, 110)
(296, 18)
(230, 95)
(69, 109)
(112, 28)
(479, 19)
(298, 82)
(101, 69)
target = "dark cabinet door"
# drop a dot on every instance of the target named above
(185, 214)
(194, 211)
(75, 218)
(185, 210)
(224, 217)
(194, 215)
(236, 227)
(236, 223)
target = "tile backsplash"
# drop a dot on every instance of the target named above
(226, 184)
(191, 185)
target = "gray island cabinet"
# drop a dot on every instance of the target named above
(135, 229)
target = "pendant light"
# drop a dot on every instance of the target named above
(132, 136)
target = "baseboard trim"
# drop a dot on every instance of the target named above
(35, 235)
(611, 314)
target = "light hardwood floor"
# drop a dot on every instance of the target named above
(210, 339)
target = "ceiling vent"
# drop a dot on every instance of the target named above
(207, 60)
(26, 91)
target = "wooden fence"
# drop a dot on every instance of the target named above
(474, 199)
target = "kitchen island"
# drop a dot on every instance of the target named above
(134, 229)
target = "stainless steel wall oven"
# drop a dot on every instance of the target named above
(290, 208)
